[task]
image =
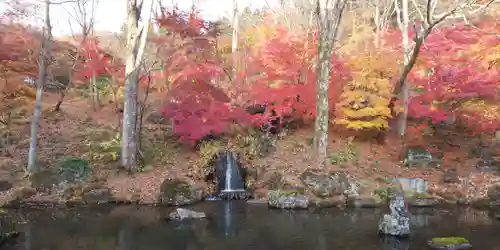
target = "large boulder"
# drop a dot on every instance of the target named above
(326, 185)
(16, 197)
(96, 194)
(449, 243)
(287, 200)
(397, 222)
(184, 214)
(5, 185)
(175, 192)
(61, 179)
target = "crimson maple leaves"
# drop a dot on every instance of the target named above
(280, 76)
(451, 72)
(96, 62)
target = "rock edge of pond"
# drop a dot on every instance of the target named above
(317, 189)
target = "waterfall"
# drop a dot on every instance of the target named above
(231, 183)
(229, 173)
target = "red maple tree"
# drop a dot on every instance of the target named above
(284, 78)
(195, 105)
(451, 71)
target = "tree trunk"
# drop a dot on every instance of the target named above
(135, 51)
(42, 79)
(329, 14)
(95, 92)
(234, 44)
(403, 22)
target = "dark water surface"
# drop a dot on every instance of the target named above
(238, 226)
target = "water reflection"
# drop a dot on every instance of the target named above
(126, 238)
(236, 225)
(229, 215)
(393, 243)
(28, 238)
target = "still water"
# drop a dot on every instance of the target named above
(237, 226)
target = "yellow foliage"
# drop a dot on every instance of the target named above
(364, 102)
(490, 111)
(253, 35)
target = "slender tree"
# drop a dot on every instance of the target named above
(329, 14)
(85, 22)
(136, 39)
(42, 80)
(235, 37)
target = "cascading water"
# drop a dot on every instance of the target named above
(231, 184)
(229, 174)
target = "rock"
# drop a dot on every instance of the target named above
(449, 243)
(494, 193)
(183, 214)
(450, 176)
(5, 185)
(287, 200)
(423, 201)
(65, 176)
(24, 192)
(276, 181)
(98, 196)
(156, 118)
(4, 238)
(336, 201)
(397, 223)
(325, 185)
(412, 186)
(364, 201)
(16, 197)
(175, 192)
(417, 156)
(394, 226)
(497, 215)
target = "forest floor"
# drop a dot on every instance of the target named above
(80, 131)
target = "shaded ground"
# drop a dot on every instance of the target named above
(81, 132)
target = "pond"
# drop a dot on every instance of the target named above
(236, 225)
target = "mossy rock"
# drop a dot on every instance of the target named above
(44, 180)
(287, 199)
(421, 196)
(449, 243)
(73, 169)
(176, 192)
(276, 194)
(384, 193)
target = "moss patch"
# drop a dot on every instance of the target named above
(175, 187)
(445, 241)
(288, 192)
(382, 193)
(422, 196)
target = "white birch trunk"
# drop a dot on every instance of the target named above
(403, 23)
(42, 79)
(136, 42)
(329, 14)
(235, 37)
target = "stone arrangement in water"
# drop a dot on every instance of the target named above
(183, 214)
(230, 179)
(397, 223)
(449, 243)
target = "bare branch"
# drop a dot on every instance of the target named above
(482, 31)
(421, 15)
